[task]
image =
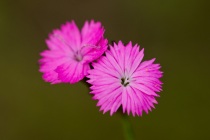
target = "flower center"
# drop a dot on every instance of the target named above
(124, 81)
(78, 56)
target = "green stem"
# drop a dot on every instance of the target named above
(127, 128)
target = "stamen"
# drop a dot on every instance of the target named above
(124, 81)
(78, 56)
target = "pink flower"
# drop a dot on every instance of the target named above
(70, 52)
(121, 79)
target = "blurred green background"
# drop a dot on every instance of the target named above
(176, 32)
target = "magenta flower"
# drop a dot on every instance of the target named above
(70, 52)
(121, 79)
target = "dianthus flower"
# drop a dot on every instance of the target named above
(120, 78)
(70, 52)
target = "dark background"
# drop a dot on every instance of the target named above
(176, 32)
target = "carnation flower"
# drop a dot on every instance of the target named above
(70, 52)
(121, 78)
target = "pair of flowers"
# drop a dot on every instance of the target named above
(118, 78)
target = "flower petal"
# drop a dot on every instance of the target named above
(50, 61)
(93, 42)
(92, 32)
(93, 52)
(72, 72)
(67, 38)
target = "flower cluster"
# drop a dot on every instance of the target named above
(118, 78)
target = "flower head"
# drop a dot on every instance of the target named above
(70, 51)
(121, 79)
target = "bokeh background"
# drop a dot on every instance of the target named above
(176, 32)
